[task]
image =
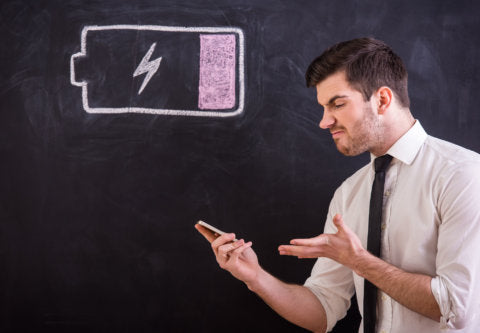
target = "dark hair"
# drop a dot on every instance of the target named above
(368, 63)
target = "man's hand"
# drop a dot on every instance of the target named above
(293, 302)
(237, 257)
(344, 247)
(409, 289)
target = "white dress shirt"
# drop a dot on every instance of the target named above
(430, 225)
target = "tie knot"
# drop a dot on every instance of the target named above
(382, 162)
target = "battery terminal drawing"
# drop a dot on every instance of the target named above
(188, 71)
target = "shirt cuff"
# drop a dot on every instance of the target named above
(330, 309)
(440, 292)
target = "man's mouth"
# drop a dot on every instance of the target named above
(336, 133)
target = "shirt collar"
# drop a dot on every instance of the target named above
(409, 144)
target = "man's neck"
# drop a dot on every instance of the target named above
(394, 128)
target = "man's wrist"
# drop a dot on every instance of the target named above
(362, 262)
(257, 284)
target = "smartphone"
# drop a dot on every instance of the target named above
(216, 232)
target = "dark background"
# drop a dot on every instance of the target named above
(97, 211)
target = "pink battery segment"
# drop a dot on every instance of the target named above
(216, 88)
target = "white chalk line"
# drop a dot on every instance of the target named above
(107, 110)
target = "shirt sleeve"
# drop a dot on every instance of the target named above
(455, 286)
(331, 282)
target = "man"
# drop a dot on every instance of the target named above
(428, 267)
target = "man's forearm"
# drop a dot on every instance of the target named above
(409, 289)
(295, 303)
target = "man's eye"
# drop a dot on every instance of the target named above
(338, 106)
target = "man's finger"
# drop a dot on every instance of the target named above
(222, 240)
(338, 221)
(341, 226)
(226, 249)
(299, 251)
(238, 251)
(315, 241)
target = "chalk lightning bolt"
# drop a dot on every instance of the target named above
(147, 66)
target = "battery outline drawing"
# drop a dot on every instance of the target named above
(144, 110)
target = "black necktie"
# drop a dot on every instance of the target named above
(373, 243)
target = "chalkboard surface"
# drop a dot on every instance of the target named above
(97, 209)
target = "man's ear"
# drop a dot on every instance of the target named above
(384, 98)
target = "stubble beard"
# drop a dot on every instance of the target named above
(364, 135)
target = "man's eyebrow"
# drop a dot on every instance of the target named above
(334, 98)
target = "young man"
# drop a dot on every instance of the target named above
(427, 269)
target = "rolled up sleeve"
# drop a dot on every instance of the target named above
(331, 282)
(333, 285)
(455, 286)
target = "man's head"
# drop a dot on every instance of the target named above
(368, 64)
(362, 86)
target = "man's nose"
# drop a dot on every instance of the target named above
(327, 120)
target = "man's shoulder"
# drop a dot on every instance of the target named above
(448, 163)
(450, 153)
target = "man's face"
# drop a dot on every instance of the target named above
(352, 121)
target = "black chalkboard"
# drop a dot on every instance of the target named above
(97, 209)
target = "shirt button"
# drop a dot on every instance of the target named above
(384, 226)
(383, 331)
(384, 298)
(387, 193)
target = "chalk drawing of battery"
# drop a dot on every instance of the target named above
(190, 71)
